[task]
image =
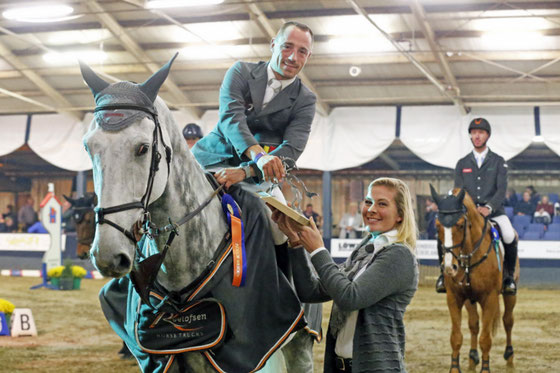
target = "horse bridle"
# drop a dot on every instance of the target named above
(145, 272)
(101, 212)
(464, 260)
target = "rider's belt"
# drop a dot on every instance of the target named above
(269, 148)
(344, 365)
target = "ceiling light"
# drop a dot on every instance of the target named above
(512, 39)
(538, 138)
(159, 4)
(354, 71)
(41, 13)
(88, 56)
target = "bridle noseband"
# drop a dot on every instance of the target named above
(101, 212)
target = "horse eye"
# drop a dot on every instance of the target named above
(143, 149)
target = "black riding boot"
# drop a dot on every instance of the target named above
(440, 284)
(510, 259)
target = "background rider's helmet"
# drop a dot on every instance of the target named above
(480, 123)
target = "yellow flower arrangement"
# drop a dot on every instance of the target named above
(6, 307)
(77, 271)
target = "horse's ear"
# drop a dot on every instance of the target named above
(435, 196)
(72, 201)
(94, 82)
(461, 195)
(151, 86)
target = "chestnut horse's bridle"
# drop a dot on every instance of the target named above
(464, 259)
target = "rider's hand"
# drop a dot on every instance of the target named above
(271, 167)
(483, 210)
(230, 176)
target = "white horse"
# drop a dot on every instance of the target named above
(144, 173)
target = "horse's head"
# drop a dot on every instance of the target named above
(451, 226)
(83, 215)
(130, 156)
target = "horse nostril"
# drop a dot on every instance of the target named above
(455, 267)
(123, 262)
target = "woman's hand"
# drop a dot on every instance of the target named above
(310, 236)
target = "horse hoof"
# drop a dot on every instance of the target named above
(508, 353)
(473, 355)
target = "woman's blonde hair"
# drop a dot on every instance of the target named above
(406, 229)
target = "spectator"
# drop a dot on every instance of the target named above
(535, 197)
(351, 222)
(544, 211)
(7, 225)
(430, 218)
(27, 215)
(192, 133)
(511, 198)
(525, 207)
(309, 213)
(10, 211)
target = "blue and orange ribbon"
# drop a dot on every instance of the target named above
(231, 209)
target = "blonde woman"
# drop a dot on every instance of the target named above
(371, 290)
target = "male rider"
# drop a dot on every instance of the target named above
(483, 174)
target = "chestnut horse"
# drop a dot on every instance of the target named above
(84, 217)
(473, 267)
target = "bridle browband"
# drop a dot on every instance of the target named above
(101, 212)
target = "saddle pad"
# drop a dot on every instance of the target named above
(198, 326)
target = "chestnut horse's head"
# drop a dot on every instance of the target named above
(451, 226)
(84, 217)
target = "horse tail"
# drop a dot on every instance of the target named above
(497, 319)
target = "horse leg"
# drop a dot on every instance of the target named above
(474, 328)
(490, 316)
(456, 339)
(298, 353)
(509, 305)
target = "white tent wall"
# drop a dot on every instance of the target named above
(12, 132)
(550, 127)
(435, 134)
(58, 140)
(349, 137)
(513, 128)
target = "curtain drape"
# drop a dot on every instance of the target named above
(58, 140)
(12, 132)
(550, 127)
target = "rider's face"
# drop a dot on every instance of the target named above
(479, 138)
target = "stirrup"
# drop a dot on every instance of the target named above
(440, 285)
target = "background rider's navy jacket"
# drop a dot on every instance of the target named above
(487, 185)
